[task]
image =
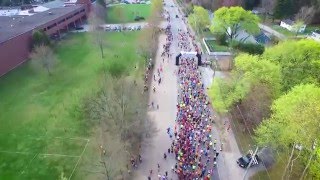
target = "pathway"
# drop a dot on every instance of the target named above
(164, 117)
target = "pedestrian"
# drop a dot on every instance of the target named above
(157, 106)
(166, 173)
(164, 155)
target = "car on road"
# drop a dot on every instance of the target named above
(244, 161)
(177, 16)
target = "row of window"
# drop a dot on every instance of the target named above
(63, 20)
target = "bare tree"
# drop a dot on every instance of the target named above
(96, 30)
(305, 14)
(121, 108)
(148, 42)
(43, 56)
(268, 5)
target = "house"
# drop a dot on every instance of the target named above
(315, 35)
(289, 24)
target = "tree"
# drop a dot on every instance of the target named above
(299, 61)
(119, 11)
(283, 9)
(250, 4)
(118, 109)
(294, 121)
(232, 20)
(148, 42)
(268, 5)
(156, 7)
(40, 38)
(102, 3)
(249, 72)
(297, 26)
(96, 31)
(43, 56)
(305, 14)
(315, 165)
(199, 19)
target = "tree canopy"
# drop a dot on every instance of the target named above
(231, 20)
(199, 19)
(299, 61)
(249, 71)
(295, 119)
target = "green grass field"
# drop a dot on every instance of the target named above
(288, 33)
(42, 132)
(127, 12)
(215, 47)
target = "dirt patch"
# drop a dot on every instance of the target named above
(224, 62)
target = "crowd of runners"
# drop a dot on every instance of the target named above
(192, 144)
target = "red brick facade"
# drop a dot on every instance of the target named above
(15, 50)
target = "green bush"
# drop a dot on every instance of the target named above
(221, 39)
(40, 38)
(250, 48)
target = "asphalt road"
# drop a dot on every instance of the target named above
(164, 117)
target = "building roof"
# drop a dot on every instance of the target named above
(16, 25)
(288, 21)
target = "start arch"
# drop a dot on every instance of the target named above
(188, 54)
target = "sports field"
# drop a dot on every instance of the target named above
(127, 12)
(43, 134)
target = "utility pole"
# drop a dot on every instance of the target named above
(251, 161)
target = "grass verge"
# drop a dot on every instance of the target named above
(42, 132)
(126, 13)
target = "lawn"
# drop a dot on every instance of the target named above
(288, 33)
(214, 47)
(126, 13)
(43, 133)
(283, 31)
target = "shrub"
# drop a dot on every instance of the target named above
(40, 38)
(221, 39)
(250, 48)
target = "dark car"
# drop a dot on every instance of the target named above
(139, 18)
(244, 161)
(177, 16)
(79, 28)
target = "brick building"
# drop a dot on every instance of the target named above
(16, 31)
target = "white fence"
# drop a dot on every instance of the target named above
(214, 53)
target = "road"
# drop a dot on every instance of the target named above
(164, 117)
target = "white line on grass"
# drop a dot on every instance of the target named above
(40, 154)
(78, 160)
(22, 171)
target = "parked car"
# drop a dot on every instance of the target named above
(244, 161)
(177, 16)
(79, 28)
(139, 18)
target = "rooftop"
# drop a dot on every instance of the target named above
(288, 21)
(16, 25)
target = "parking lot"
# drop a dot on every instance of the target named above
(124, 27)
